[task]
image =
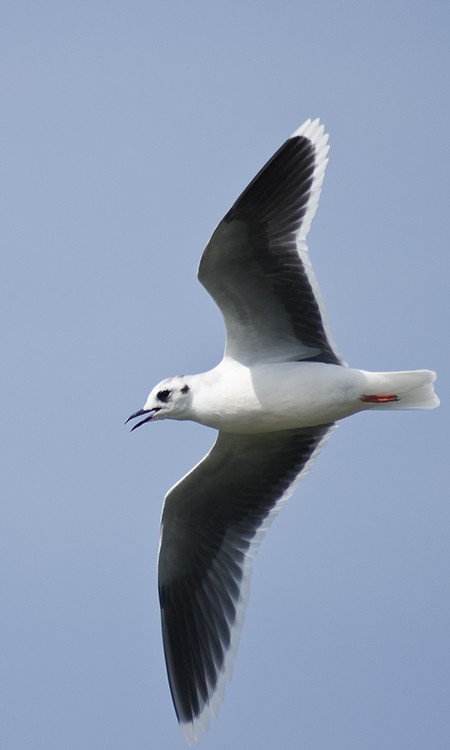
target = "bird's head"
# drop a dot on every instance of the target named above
(170, 399)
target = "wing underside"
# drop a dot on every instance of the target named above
(256, 265)
(212, 523)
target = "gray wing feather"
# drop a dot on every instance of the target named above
(256, 264)
(212, 522)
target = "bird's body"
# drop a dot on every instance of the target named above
(274, 400)
(240, 399)
(246, 400)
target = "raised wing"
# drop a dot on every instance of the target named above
(256, 264)
(212, 523)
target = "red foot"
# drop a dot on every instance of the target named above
(379, 399)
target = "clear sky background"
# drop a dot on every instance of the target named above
(127, 131)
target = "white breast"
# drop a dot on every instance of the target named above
(273, 397)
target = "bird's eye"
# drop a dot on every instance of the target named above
(163, 395)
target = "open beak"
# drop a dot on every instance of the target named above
(149, 412)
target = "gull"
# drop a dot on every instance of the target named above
(274, 399)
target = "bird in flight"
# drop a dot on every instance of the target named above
(274, 399)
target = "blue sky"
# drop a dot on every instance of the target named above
(128, 129)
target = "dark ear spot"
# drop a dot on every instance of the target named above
(185, 389)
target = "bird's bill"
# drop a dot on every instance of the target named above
(150, 414)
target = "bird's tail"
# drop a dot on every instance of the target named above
(412, 389)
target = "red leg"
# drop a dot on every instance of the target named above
(379, 399)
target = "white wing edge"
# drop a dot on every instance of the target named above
(192, 731)
(315, 132)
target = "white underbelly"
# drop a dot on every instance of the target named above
(281, 396)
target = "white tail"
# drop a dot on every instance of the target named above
(413, 388)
